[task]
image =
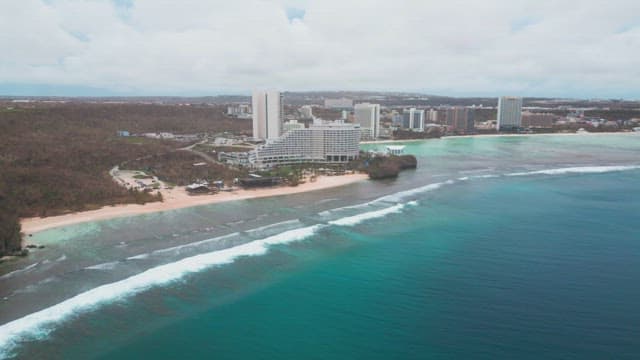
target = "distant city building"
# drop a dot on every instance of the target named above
(306, 111)
(509, 113)
(433, 116)
(292, 125)
(385, 132)
(267, 114)
(239, 110)
(368, 117)
(332, 142)
(460, 119)
(342, 103)
(542, 120)
(396, 118)
(413, 119)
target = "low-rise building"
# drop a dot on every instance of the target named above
(291, 125)
(542, 120)
(239, 110)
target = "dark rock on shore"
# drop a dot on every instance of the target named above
(385, 167)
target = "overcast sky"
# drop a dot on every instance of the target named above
(586, 48)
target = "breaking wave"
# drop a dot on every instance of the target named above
(15, 272)
(38, 324)
(577, 170)
(357, 219)
(412, 192)
(104, 266)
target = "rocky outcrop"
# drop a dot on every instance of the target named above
(385, 167)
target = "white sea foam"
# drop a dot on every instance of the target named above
(39, 324)
(180, 247)
(350, 207)
(577, 170)
(357, 219)
(103, 266)
(475, 171)
(326, 200)
(280, 225)
(24, 269)
(407, 193)
(394, 198)
(488, 176)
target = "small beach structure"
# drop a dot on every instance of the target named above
(260, 181)
(395, 150)
(201, 188)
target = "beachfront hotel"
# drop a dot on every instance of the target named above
(413, 119)
(509, 113)
(368, 117)
(330, 142)
(267, 114)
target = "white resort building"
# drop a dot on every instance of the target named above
(333, 142)
(328, 143)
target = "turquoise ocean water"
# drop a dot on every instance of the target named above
(495, 248)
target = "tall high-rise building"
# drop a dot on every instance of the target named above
(368, 116)
(267, 114)
(509, 113)
(413, 119)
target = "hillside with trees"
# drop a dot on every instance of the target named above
(55, 157)
(178, 168)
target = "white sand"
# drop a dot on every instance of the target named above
(178, 198)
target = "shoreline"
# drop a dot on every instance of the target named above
(498, 135)
(177, 198)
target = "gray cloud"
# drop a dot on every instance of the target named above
(585, 48)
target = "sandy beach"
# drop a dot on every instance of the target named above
(178, 198)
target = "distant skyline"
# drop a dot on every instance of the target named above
(569, 49)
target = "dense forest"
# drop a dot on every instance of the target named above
(55, 157)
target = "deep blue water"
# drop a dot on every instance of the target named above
(527, 267)
(533, 268)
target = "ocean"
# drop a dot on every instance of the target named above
(521, 247)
